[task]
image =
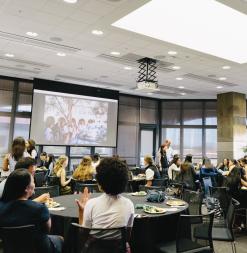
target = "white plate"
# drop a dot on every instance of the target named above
(140, 194)
(156, 210)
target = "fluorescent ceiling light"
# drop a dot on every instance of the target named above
(226, 67)
(219, 87)
(115, 53)
(9, 55)
(70, 1)
(187, 24)
(222, 78)
(176, 67)
(127, 68)
(179, 78)
(183, 94)
(97, 32)
(181, 87)
(61, 54)
(32, 34)
(172, 53)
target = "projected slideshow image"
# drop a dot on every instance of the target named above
(75, 121)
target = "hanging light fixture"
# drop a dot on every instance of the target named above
(147, 79)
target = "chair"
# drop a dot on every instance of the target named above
(39, 178)
(194, 199)
(53, 180)
(96, 240)
(175, 190)
(22, 239)
(185, 238)
(222, 233)
(161, 182)
(80, 185)
(53, 190)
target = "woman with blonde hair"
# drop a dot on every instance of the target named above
(59, 171)
(85, 170)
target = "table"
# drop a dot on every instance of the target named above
(148, 229)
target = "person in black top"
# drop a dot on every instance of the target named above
(17, 210)
(151, 170)
(162, 159)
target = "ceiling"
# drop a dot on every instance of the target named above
(67, 28)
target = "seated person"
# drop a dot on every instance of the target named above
(187, 176)
(208, 170)
(85, 170)
(17, 210)
(109, 210)
(43, 164)
(174, 167)
(95, 160)
(29, 164)
(59, 171)
(151, 170)
(223, 167)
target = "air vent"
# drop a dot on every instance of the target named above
(131, 60)
(26, 71)
(209, 80)
(25, 62)
(37, 43)
(87, 81)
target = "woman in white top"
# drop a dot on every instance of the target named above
(109, 210)
(17, 152)
(30, 146)
(174, 167)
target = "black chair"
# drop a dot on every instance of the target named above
(39, 178)
(194, 199)
(185, 238)
(23, 239)
(53, 190)
(112, 240)
(53, 180)
(161, 182)
(222, 233)
(80, 185)
(175, 190)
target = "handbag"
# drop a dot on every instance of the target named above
(155, 196)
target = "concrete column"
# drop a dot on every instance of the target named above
(231, 125)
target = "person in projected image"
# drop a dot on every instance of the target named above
(49, 132)
(63, 130)
(81, 131)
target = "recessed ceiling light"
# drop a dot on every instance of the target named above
(70, 1)
(222, 78)
(181, 87)
(176, 67)
(127, 68)
(172, 53)
(219, 87)
(115, 53)
(9, 55)
(97, 32)
(226, 67)
(32, 34)
(179, 78)
(182, 94)
(205, 35)
(61, 54)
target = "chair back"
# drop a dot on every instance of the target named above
(230, 216)
(39, 178)
(175, 190)
(85, 240)
(79, 187)
(163, 182)
(187, 237)
(223, 196)
(53, 190)
(207, 182)
(23, 239)
(194, 199)
(53, 180)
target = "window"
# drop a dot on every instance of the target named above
(4, 134)
(80, 151)
(55, 150)
(210, 113)
(171, 113)
(192, 114)
(193, 142)
(21, 127)
(148, 111)
(211, 143)
(172, 134)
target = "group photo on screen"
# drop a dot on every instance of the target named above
(74, 121)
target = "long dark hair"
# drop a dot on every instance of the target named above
(233, 180)
(16, 185)
(18, 148)
(31, 146)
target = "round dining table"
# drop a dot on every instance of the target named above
(148, 229)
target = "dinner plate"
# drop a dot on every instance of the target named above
(52, 204)
(153, 209)
(175, 202)
(141, 193)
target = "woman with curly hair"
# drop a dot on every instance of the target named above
(59, 171)
(85, 170)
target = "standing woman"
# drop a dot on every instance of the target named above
(30, 146)
(162, 159)
(17, 152)
(59, 171)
